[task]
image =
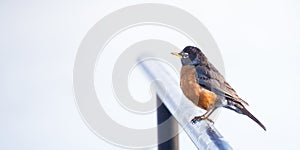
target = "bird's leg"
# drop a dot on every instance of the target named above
(204, 116)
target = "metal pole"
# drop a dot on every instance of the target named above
(203, 134)
(162, 115)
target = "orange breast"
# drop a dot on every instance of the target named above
(193, 91)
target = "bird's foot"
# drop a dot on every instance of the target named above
(199, 118)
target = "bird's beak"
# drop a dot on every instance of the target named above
(176, 54)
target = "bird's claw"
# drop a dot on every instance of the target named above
(196, 119)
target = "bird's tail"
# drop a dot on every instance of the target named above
(239, 108)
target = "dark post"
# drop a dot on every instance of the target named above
(162, 115)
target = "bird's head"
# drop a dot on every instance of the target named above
(190, 55)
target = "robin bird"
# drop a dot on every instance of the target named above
(202, 83)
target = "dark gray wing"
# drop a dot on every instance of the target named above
(210, 78)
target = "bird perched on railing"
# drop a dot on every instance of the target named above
(202, 83)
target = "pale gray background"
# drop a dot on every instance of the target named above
(259, 41)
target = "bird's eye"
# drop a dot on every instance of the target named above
(184, 55)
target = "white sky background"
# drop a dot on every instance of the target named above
(259, 42)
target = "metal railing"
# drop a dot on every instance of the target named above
(203, 134)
